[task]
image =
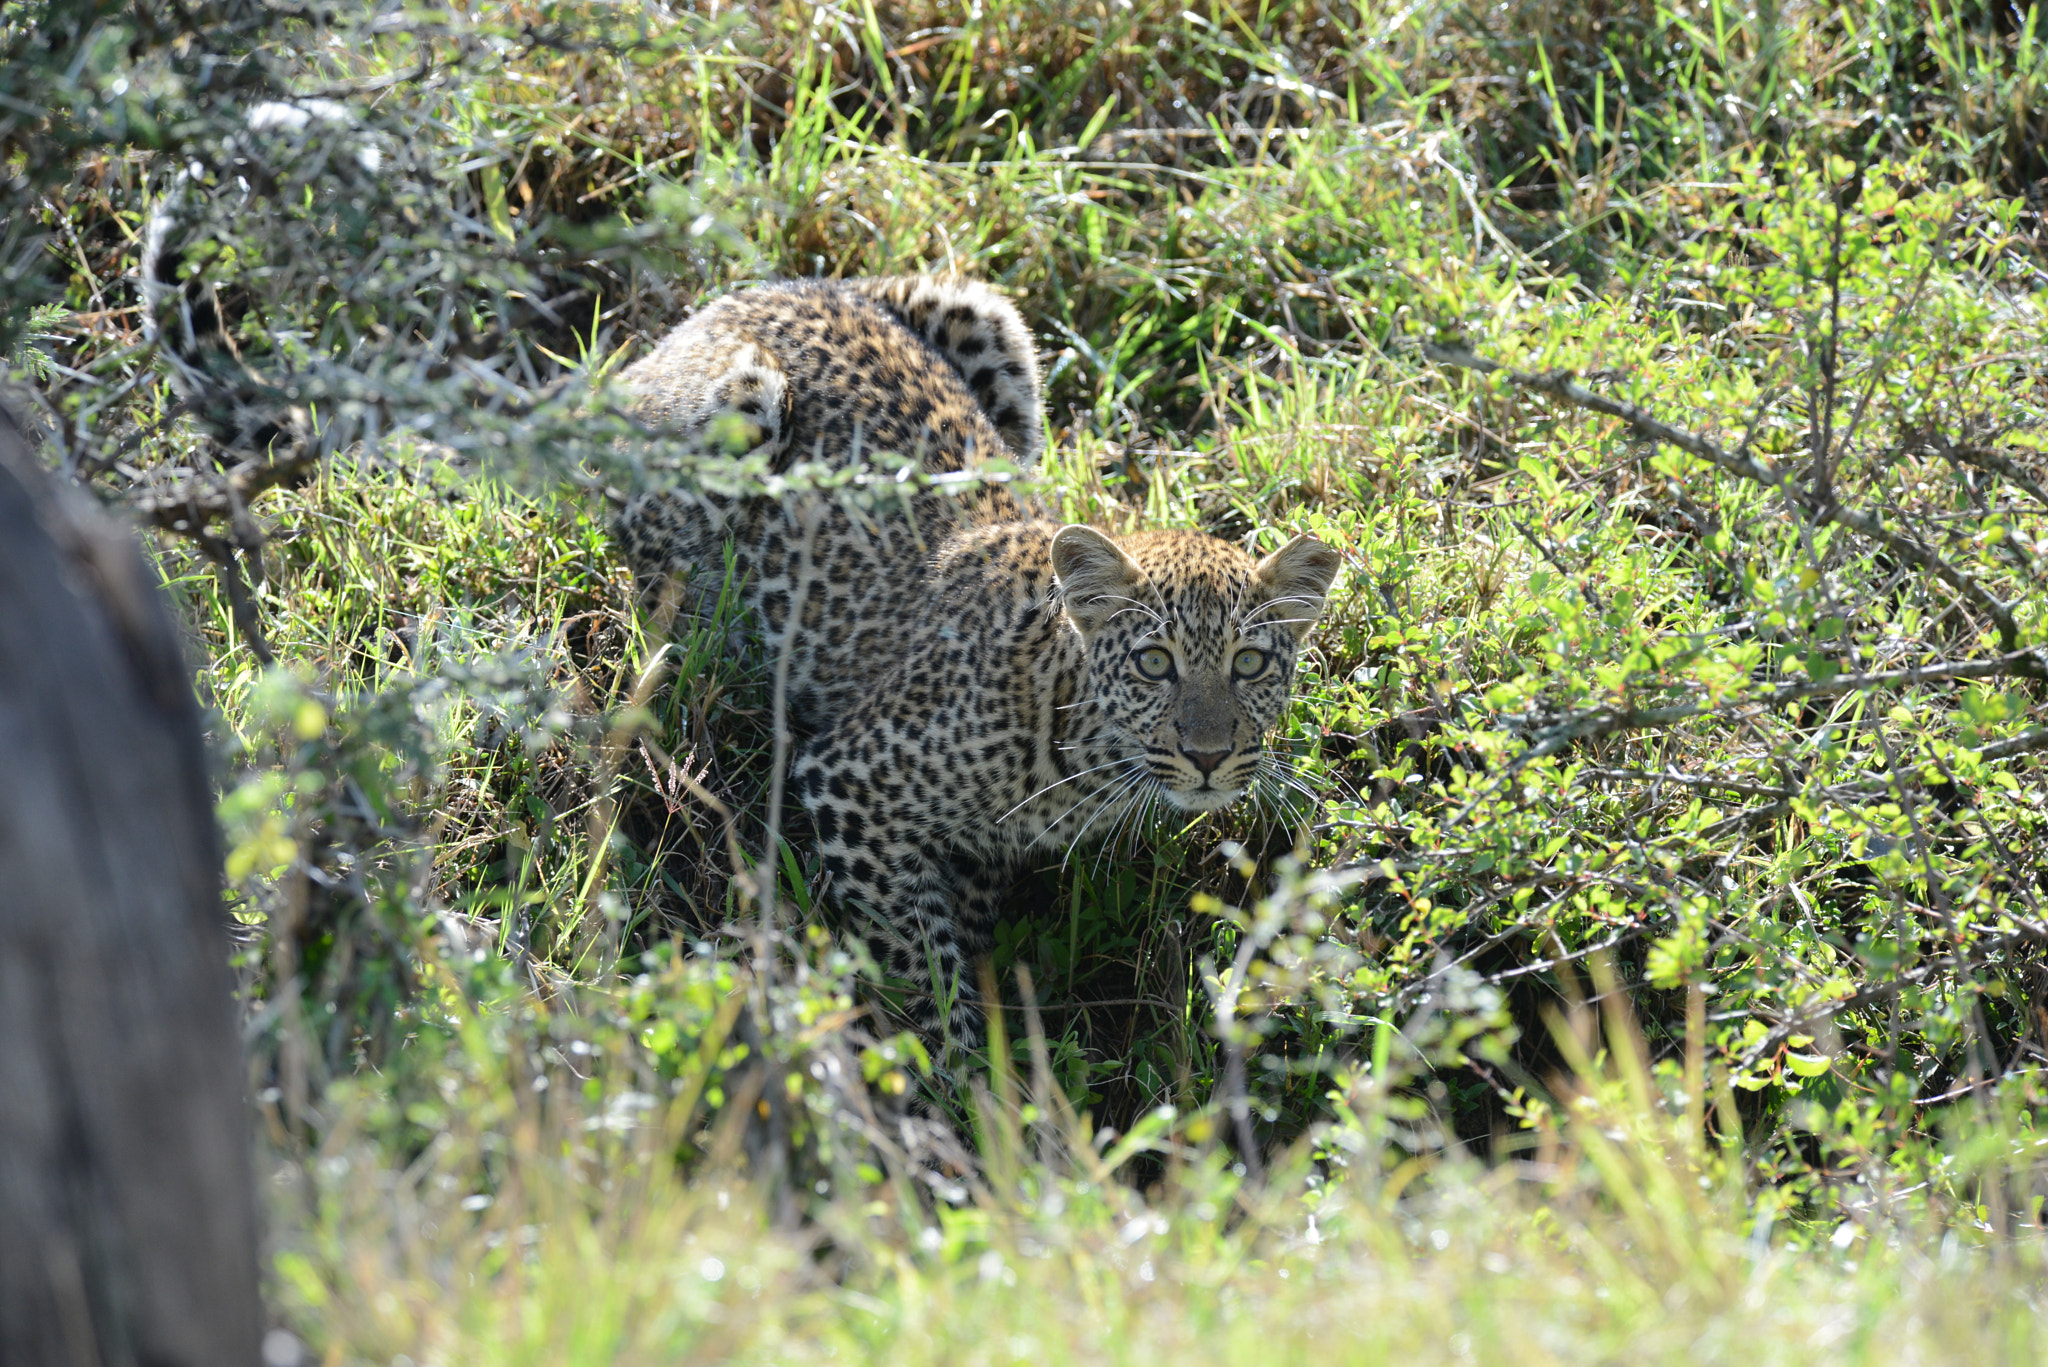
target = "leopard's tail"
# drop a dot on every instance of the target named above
(181, 306)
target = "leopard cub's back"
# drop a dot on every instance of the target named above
(839, 374)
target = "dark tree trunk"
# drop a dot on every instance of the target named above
(127, 1212)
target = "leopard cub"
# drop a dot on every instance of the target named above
(983, 687)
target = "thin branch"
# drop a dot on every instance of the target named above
(1690, 781)
(1822, 506)
(241, 605)
(1606, 721)
(1821, 486)
(1560, 384)
(1883, 349)
(191, 504)
(1585, 582)
(2025, 742)
(1984, 458)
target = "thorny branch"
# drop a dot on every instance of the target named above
(1818, 503)
(201, 498)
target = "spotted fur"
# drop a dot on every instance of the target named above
(816, 372)
(985, 688)
(982, 338)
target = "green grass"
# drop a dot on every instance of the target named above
(1486, 1265)
(1595, 729)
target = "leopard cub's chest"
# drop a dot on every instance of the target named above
(1009, 762)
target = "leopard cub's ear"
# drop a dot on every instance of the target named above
(1292, 583)
(745, 410)
(1097, 580)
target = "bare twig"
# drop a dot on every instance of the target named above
(199, 499)
(2024, 743)
(1820, 505)
(1606, 721)
(1585, 584)
(1984, 458)
(1561, 384)
(1690, 781)
(1821, 416)
(812, 512)
(241, 604)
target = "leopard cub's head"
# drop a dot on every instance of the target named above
(1191, 647)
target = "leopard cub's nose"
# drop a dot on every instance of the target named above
(1205, 760)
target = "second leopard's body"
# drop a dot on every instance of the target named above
(839, 375)
(984, 688)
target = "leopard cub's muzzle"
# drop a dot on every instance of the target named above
(1203, 768)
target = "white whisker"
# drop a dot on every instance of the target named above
(1121, 784)
(1121, 759)
(1106, 851)
(1135, 803)
(1135, 605)
(1253, 617)
(1285, 777)
(1107, 803)
(1117, 802)
(1141, 814)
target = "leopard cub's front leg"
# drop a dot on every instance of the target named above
(930, 904)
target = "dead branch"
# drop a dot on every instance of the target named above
(1819, 503)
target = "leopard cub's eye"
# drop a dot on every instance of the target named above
(1153, 662)
(1248, 662)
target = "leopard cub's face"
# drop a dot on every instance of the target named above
(1191, 649)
